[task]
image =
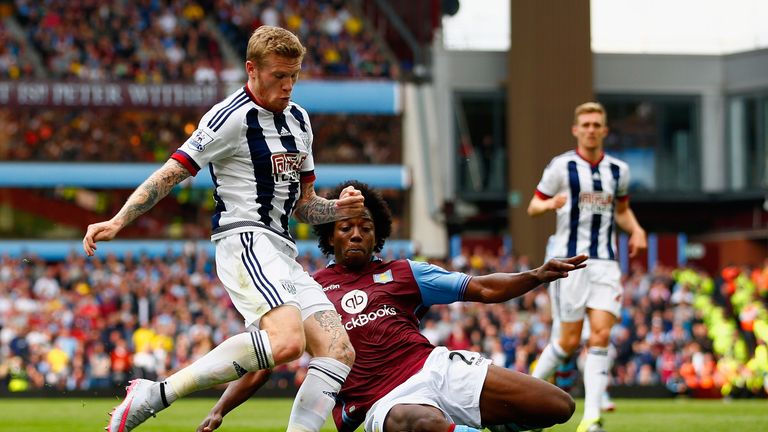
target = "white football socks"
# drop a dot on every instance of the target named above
(231, 359)
(595, 380)
(317, 394)
(550, 358)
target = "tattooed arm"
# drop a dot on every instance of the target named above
(315, 210)
(142, 199)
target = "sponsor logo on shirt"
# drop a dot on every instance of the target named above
(354, 301)
(199, 140)
(284, 131)
(364, 319)
(286, 167)
(596, 202)
(331, 287)
(382, 278)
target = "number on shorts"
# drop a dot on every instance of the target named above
(460, 355)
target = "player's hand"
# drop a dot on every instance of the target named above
(350, 203)
(102, 231)
(210, 423)
(558, 201)
(637, 243)
(350, 197)
(559, 268)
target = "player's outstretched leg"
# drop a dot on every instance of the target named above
(143, 399)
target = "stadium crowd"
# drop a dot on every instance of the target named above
(143, 42)
(13, 62)
(338, 43)
(154, 41)
(110, 135)
(94, 323)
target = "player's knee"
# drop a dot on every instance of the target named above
(569, 343)
(416, 418)
(599, 338)
(430, 424)
(563, 407)
(343, 352)
(287, 348)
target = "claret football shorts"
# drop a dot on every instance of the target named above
(450, 381)
(260, 272)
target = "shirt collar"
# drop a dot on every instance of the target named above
(332, 262)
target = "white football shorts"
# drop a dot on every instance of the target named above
(450, 381)
(260, 272)
(598, 286)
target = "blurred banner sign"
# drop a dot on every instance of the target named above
(123, 95)
(351, 97)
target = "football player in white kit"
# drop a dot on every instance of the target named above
(588, 191)
(258, 146)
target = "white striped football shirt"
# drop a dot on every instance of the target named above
(257, 159)
(586, 223)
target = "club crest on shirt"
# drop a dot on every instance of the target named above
(288, 286)
(382, 278)
(199, 140)
(304, 138)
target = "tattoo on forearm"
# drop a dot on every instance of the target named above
(316, 210)
(155, 188)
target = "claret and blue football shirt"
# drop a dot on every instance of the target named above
(380, 308)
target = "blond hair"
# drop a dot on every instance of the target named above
(589, 107)
(267, 40)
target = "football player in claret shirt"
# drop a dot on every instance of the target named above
(400, 381)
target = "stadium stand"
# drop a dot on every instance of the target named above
(119, 135)
(145, 42)
(13, 62)
(88, 324)
(339, 45)
(191, 41)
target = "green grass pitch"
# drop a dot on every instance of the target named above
(632, 415)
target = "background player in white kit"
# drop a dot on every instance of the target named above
(588, 190)
(259, 147)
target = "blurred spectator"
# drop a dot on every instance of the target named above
(14, 64)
